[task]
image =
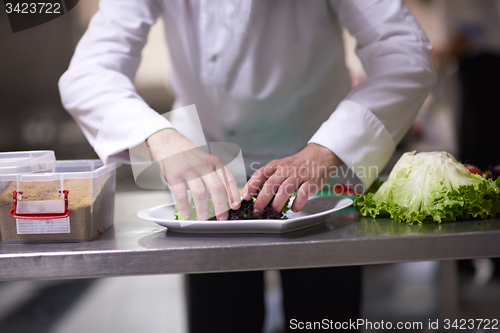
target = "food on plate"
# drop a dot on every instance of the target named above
(245, 212)
(431, 186)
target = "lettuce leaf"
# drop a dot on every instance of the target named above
(431, 186)
(194, 214)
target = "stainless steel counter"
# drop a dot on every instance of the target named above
(137, 247)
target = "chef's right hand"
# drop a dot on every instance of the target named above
(184, 166)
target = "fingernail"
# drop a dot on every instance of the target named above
(257, 211)
(246, 196)
(223, 217)
(235, 204)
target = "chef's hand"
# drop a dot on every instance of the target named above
(307, 172)
(186, 166)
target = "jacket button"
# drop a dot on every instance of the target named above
(231, 133)
(213, 58)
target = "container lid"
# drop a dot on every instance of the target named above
(22, 162)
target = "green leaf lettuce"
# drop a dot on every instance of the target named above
(431, 186)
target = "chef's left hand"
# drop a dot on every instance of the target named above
(305, 172)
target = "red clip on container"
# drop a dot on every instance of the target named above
(43, 210)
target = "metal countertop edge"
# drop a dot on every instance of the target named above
(220, 247)
(236, 258)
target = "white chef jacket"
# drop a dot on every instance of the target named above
(269, 76)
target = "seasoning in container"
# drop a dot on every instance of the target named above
(91, 189)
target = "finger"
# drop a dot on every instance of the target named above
(244, 192)
(231, 186)
(200, 198)
(284, 193)
(218, 193)
(227, 178)
(180, 196)
(303, 194)
(257, 179)
(267, 193)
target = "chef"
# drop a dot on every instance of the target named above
(269, 76)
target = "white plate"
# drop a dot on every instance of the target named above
(316, 210)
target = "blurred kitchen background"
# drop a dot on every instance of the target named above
(32, 117)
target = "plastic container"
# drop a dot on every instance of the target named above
(22, 162)
(71, 202)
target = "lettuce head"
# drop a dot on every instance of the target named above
(431, 186)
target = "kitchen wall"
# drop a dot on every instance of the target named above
(31, 62)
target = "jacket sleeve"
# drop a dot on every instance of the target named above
(98, 88)
(366, 126)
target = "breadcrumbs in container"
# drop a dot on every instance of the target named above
(90, 189)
